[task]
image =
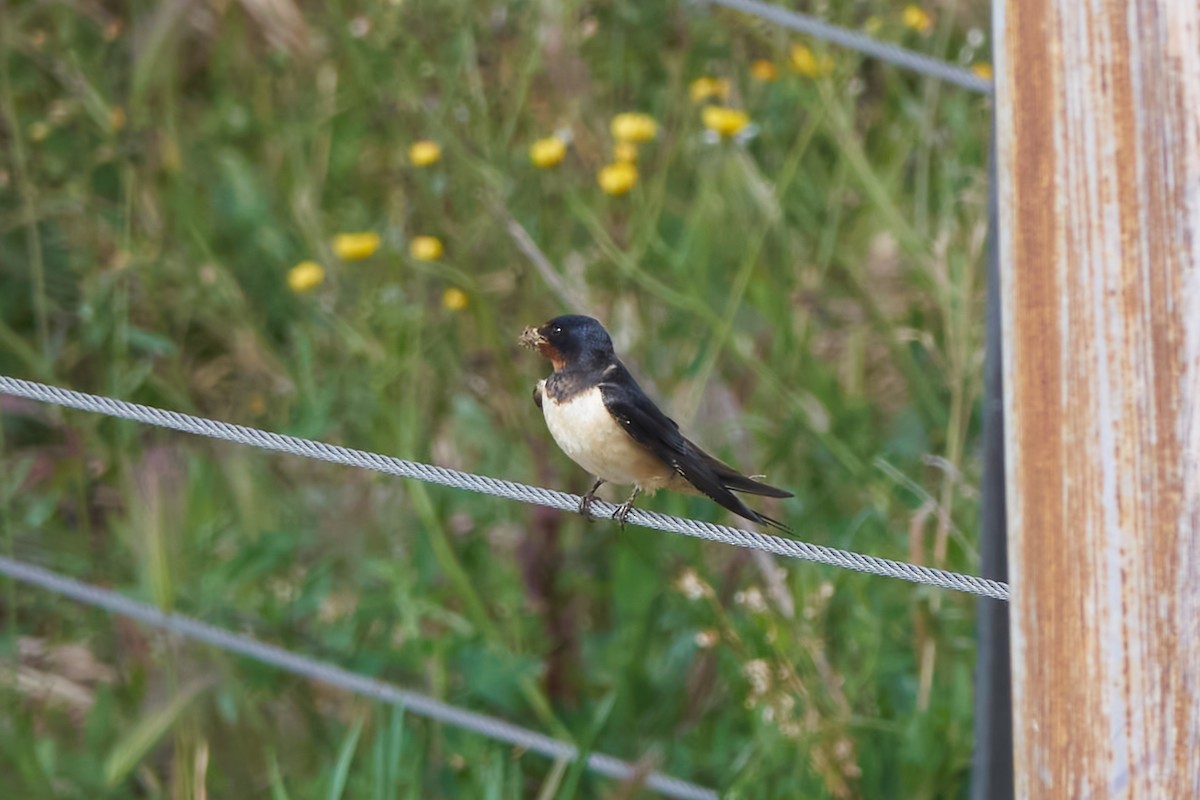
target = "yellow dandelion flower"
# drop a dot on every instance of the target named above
(763, 70)
(983, 70)
(356, 246)
(618, 178)
(548, 152)
(725, 121)
(454, 299)
(305, 276)
(634, 127)
(625, 152)
(703, 89)
(425, 248)
(424, 153)
(809, 64)
(917, 18)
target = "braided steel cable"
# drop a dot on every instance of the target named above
(483, 484)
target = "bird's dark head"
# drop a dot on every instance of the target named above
(571, 340)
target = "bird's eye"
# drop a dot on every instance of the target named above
(557, 329)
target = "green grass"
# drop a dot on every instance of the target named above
(808, 303)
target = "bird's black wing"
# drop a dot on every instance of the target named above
(739, 482)
(647, 425)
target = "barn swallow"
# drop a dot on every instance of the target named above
(606, 424)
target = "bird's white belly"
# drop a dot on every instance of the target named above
(587, 432)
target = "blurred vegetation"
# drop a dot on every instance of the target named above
(804, 293)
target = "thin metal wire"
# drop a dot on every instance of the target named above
(867, 45)
(307, 448)
(333, 675)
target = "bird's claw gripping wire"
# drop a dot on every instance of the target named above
(622, 512)
(585, 502)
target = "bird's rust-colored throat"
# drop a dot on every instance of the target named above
(533, 339)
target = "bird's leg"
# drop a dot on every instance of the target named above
(622, 511)
(585, 504)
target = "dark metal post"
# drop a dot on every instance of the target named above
(992, 767)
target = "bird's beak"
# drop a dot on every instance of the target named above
(532, 338)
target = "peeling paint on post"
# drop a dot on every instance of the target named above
(1098, 121)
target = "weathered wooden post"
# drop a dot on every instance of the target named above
(1098, 123)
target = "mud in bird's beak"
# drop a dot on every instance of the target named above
(532, 338)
